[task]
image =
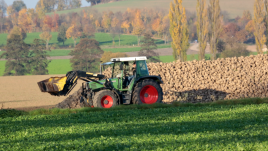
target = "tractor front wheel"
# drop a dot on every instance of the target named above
(147, 92)
(105, 99)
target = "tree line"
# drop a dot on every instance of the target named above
(209, 26)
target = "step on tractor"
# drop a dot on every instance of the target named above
(130, 83)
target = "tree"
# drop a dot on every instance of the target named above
(93, 2)
(166, 25)
(234, 49)
(157, 25)
(61, 5)
(46, 35)
(250, 27)
(89, 30)
(125, 25)
(106, 21)
(62, 34)
(86, 55)
(17, 56)
(178, 30)
(147, 48)
(115, 28)
(75, 3)
(259, 25)
(202, 27)
(17, 31)
(107, 55)
(138, 25)
(3, 8)
(39, 62)
(241, 36)
(73, 32)
(18, 5)
(24, 21)
(215, 26)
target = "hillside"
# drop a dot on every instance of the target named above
(234, 7)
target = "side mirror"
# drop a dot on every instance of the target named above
(122, 66)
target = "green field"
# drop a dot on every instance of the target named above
(233, 7)
(206, 127)
(103, 38)
(62, 66)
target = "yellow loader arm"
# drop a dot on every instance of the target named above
(63, 85)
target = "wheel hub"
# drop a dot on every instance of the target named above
(146, 95)
(105, 102)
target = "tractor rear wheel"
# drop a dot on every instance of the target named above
(105, 99)
(147, 91)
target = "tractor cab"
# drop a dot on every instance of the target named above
(125, 71)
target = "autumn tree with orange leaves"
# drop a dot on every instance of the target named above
(179, 30)
(259, 25)
(73, 32)
(138, 26)
(46, 34)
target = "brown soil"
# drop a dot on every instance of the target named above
(22, 92)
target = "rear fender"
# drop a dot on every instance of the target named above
(156, 78)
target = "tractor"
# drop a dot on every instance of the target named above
(131, 84)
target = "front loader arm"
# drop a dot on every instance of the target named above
(63, 85)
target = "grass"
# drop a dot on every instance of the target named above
(2, 67)
(149, 127)
(234, 8)
(58, 66)
(103, 38)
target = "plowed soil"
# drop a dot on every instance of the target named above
(22, 92)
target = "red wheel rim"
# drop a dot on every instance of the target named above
(149, 94)
(107, 101)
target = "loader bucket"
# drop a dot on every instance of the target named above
(52, 85)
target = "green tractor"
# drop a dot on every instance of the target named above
(125, 86)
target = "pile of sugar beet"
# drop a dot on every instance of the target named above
(204, 81)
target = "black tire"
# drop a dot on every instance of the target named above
(147, 91)
(105, 99)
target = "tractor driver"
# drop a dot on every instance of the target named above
(129, 78)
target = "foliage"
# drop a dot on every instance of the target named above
(107, 55)
(86, 55)
(179, 30)
(17, 55)
(62, 34)
(18, 5)
(202, 27)
(148, 127)
(138, 25)
(46, 35)
(234, 50)
(147, 48)
(259, 25)
(73, 32)
(39, 62)
(215, 26)
(17, 31)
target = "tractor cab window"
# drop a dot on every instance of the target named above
(116, 70)
(141, 69)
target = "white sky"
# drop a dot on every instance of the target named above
(32, 3)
